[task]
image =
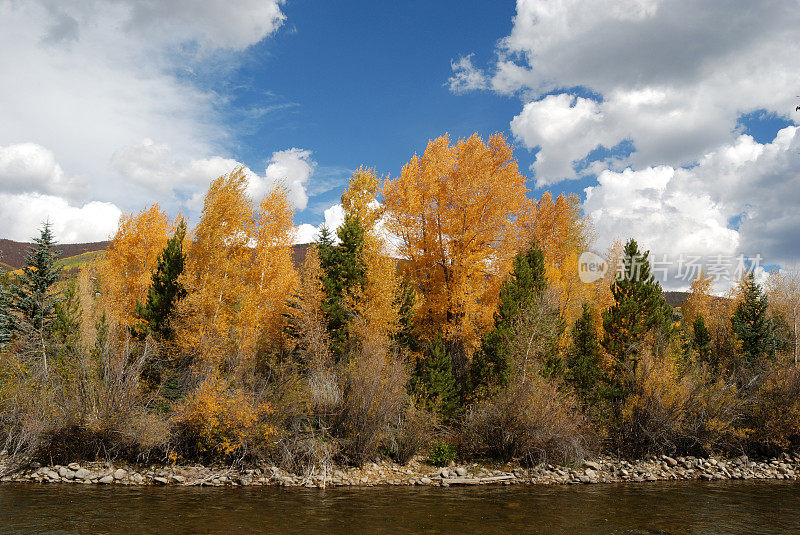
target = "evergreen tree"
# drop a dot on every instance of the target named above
(67, 323)
(639, 310)
(583, 359)
(752, 324)
(701, 338)
(165, 289)
(5, 314)
(343, 276)
(491, 365)
(34, 294)
(432, 381)
(404, 336)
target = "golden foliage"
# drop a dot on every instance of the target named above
(374, 304)
(699, 300)
(455, 212)
(238, 273)
(217, 419)
(128, 261)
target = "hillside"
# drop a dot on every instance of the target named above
(12, 253)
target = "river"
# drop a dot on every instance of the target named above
(664, 507)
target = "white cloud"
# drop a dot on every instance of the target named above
(333, 219)
(22, 214)
(466, 77)
(673, 77)
(31, 168)
(85, 79)
(290, 168)
(688, 211)
(153, 167)
(567, 129)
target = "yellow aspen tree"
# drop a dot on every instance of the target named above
(699, 301)
(563, 233)
(374, 305)
(272, 277)
(454, 211)
(218, 261)
(126, 265)
(306, 320)
(783, 290)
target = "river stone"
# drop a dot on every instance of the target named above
(74, 466)
(160, 480)
(461, 471)
(670, 461)
(590, 473)
(182, 479)
(444, 472)
(591, 464)
(105, 480)
(120, 473)
(83, 473)
(426, 481)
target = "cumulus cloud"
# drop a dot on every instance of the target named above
(22, 214)
(333, 219)
(689, 211)
(153, 167)
(88, 78)
(31, 168)
(671, 77)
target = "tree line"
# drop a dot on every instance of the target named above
(444, 317)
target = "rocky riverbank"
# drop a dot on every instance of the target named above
(601, 470)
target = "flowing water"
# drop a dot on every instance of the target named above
(681, 507)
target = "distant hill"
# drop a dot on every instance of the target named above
(12, 253)
(675, 299)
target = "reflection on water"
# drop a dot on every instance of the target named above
(685, 507)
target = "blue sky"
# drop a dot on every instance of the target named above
(675, 121)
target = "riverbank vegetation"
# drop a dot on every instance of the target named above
(467, 334)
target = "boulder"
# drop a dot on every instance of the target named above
(461, 471)
(105, 480)
(83, 473)
(119, 473)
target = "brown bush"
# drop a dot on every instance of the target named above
(531, 421)
(668, 413)
(89, 404)
(774, 418)
(374, 396)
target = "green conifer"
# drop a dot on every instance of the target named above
(165, 289)
(583, 358)
(639, 309)
(752, 324)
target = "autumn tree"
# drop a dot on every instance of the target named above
(271, 276)
(127, 264)
(375, 304)
(454, 211)
(752, 324)
(563, 233)
(783, 290)
(700, 299)
(238, 273)
(701, 338)
(6, 325)
(639, 312)
(165, 287)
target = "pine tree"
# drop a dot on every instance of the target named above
(404, 337)
(639, 310)
(752, 324)
(34, 294)
(5, 314)
(165, 289)
(432, 381)
(491, 364)
(583, 359)
(67, 323)
(701, 338)
(344, 275)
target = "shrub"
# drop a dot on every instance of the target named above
(530, 421)
(374, 396)
(442, 453)
(410, 434)
(220, 421)
(666, 413)
(774, 417)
